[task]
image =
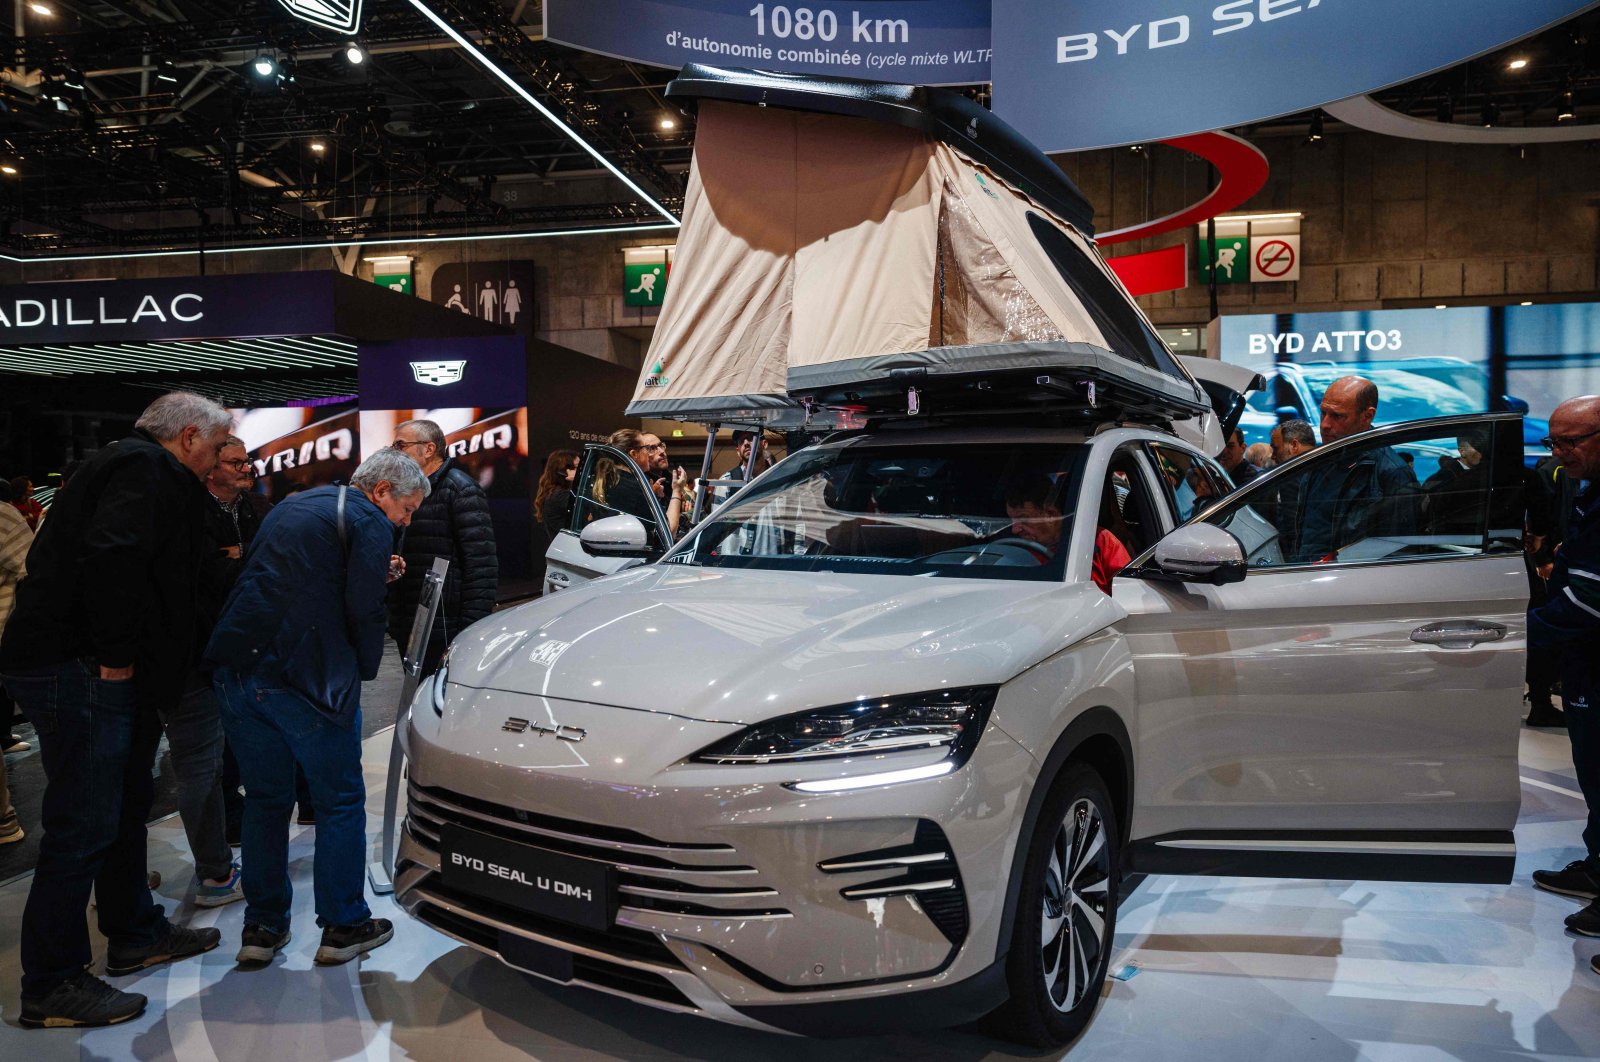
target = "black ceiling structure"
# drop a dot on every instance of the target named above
(142, 124)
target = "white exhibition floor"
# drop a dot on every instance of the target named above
(1230, 969)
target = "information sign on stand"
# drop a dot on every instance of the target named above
(381, 873)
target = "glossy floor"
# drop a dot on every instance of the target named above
(1229, 969)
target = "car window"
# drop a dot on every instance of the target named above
(1414, 494)
(960, 510)
(610, 484)
(1192, 482)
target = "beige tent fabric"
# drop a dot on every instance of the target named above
(724, 326)
(814, 241)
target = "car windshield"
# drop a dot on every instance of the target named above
(967, 511)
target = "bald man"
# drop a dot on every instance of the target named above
(1569, 622)
(1370, 492)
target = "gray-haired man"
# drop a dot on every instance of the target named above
(101, 639)
(301, 630)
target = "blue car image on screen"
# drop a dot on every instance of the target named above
(1409, 389)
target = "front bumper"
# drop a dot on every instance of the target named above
(738, 899)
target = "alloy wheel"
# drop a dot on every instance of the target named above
(1077, 891)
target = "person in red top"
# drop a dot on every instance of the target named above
(1036, 515)
(22, 498)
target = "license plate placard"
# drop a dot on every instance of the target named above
(580, 891)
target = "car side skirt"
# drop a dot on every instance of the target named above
(1480, 857)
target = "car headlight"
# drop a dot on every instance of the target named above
(951, 718)
(440, 677)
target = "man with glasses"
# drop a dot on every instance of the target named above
(453, 523)
(1569, 622)
(207, 803)
(650, 454)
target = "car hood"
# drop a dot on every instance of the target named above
(742, 646)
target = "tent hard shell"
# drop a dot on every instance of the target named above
(846, 242)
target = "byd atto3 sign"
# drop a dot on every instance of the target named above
(919, 42)
(1077, 74)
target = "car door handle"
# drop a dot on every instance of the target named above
(1459, 634)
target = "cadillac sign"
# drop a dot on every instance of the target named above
(437, 373)
(341, 16)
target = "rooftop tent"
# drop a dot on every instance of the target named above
(841, 237)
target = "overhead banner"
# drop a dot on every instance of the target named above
(917, 42)
(1097, 73)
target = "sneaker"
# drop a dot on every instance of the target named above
(1575, 879)
(178, 942)
(258, 944)
(12, 743)
(343, 943)
(1586, 921)
(78, 1002)
(208, 895)
(11, 834)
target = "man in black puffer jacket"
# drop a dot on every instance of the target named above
(453, 523)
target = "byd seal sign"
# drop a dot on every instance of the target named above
(437, 373)
(341, 16)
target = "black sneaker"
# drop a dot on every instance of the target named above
(79, 1002)
(1586, 921)
(1575, 879)
(177, 942)
(343, 943)
(258, 944)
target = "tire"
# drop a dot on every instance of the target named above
(1062, 940)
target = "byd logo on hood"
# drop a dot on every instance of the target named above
(438, 373)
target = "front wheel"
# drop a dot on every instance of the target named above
(1066, 913)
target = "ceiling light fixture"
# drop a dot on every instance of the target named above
(533, 101)
(1316, 128)
(251, 248)
(1517, 64)
(355, 54)
(318, 147)
(668, 124)
(8, 169)
(1529, 302)
(41, 9)
(264, 65)
(1566, 113)
(1441, 306)
(167, 71)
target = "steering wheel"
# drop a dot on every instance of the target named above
(1043, 554)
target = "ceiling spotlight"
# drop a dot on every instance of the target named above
(167, 71)
(1516, 64)
(1528, 302)
(668, 123)
(1316, 128)
(1441, 306)
(318, 147)
(264, 66)
(8, 169)
(355, 54)
(41, 9)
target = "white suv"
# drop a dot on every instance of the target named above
(871, 748)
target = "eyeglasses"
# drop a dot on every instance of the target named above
(654, 446)
(1565, 442)
(401, 444)
(239, 466)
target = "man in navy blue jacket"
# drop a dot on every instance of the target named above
(301, 630)
(1570, 623)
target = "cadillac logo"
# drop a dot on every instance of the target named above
(341, 16)
(438, 373)
(559, 731)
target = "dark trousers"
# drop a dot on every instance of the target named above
(272, 730)
(1583, 730)
(194, 734)
(98, 749)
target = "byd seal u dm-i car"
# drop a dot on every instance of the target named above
(875, 742)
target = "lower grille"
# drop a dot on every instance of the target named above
(925, 868)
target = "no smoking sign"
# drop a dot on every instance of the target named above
(1274, 258)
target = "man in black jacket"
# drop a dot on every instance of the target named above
(102, 638)
(453, 523)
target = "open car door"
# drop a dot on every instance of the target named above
(608, 484)
(1348, 705)
(1228, 387)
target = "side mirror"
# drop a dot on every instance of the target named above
(1200, 553)
(616, 536)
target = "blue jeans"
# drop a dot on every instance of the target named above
(194, 734)
(98, 748)
(272, 729)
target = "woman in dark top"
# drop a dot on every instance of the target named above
(553, 500)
